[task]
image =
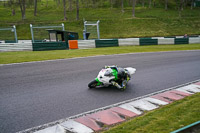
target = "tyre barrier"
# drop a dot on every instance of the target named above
(148, 41)
(181, 40)
(87, 44)
(129, 41)
(106, 43)
(41, 46)
(165, 41)
(15, 47)
(136, 42)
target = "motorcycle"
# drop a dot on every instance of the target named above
(105, 77)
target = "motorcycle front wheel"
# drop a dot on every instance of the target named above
(92, 84)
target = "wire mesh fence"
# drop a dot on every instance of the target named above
(40, 33)
(92, 27)
(9, 35)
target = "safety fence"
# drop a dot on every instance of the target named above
(87, 44)
(7, 35)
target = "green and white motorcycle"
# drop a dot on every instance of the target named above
(107, 75)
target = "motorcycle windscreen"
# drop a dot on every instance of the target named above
(108, 73)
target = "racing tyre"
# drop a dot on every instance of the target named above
(92, 84)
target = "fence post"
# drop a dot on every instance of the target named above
(15, 32)
(32, 34)
(98, 29)
(63, 26)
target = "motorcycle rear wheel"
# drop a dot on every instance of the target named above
(92, 84)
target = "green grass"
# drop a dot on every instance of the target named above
(164, 120)
(28, 56)
(113, 23)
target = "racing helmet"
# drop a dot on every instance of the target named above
(121, 73)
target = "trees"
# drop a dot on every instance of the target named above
(11, 4)
(166, 4)
(192, 4)
(47, 3)
(122, 5)
(77, 9)
(182, 4)
(142, 3)
(133, 10)
(75, 5)
(22, 4)
(70, 5)
(111, 4)
(64, 6)
(35, 7)
(58, 2)
(94, 3)
(149, 3)
(179, 5)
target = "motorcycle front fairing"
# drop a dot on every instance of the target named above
(105, 76)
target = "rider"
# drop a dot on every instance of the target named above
(121, 77)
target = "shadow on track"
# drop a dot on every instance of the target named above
(111, 89)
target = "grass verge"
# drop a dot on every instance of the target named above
(164, 120)
(28, 56)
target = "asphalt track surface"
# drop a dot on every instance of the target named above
(36, 93)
